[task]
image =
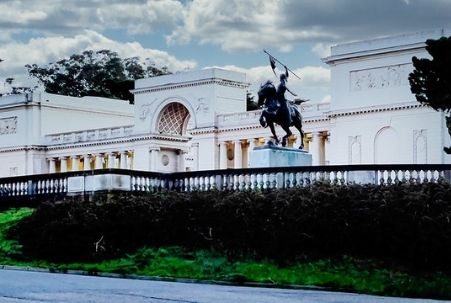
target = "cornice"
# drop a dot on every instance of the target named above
(414, 47)
(171, 86)
(375, 109)
(23, 148)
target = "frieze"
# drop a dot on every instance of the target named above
(381, 77)
(8, 126)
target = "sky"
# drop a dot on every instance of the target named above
(195, 34)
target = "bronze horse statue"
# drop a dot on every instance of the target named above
(271, 114)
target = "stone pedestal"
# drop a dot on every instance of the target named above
(273, 156)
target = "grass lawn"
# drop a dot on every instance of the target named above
(363, 276)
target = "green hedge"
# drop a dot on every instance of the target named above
(406, 224)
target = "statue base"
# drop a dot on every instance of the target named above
(270, 155)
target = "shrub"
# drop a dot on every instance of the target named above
(406, 224)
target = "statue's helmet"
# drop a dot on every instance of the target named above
(283, 77)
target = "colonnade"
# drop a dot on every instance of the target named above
(120, 159)
(237, 151)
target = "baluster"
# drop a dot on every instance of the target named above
(433, 176)
(419, 178)
(213, 182)
(424, 176)
(145, 183)
(336, 179)
(236, 182)
(195, 185)
(14, 189)
(286, 180)
(148, 182)
(403, 176)
(21, 186)
(38, 187)
(412, 176)
(132, 182)
(244, 182)
(382, 177)
(396, 180)
(247, 181)
(206, 183)
(258, 183)
(274, 180)
(389, 178)
(265, 181)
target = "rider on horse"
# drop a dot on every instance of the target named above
(281, 96)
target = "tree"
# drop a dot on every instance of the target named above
(250, 102)
(102, 73)
(430, 81)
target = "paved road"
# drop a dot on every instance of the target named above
(22, 286)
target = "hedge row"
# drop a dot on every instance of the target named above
(405, 224)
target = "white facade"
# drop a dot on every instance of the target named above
(197, 120)
(374, 118)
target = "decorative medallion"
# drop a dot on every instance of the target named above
(165, 160)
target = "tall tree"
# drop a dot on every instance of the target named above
(430, 81)
(101, 73)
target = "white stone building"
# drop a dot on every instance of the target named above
(198, 120)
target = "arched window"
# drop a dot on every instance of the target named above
(173, 118)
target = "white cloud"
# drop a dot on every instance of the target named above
(50, 49)
(141, 18)
(321, 49)
(313, 78)
(236, 25)
(239, 25)
(20, 16)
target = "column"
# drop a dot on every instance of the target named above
(153, 157)
(315, 148)
(86, 162)
(99, 161)
(222, 155)
(52, 166)
(249, 149)
(251, 143)
(182, 164)
(238, 156)
(111, 159)
(326, 148)
(124, 159)
(63, 164)
(75, 161)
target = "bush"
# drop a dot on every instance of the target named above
(405, 224)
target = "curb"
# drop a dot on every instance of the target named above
(162, 279)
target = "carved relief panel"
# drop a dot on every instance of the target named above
(8, 126)
(380, 77)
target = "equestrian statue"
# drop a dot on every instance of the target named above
(277, 109)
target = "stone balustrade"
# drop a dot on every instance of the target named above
(228, 179)
(89, 135)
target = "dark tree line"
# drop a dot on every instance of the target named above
(94, 73)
